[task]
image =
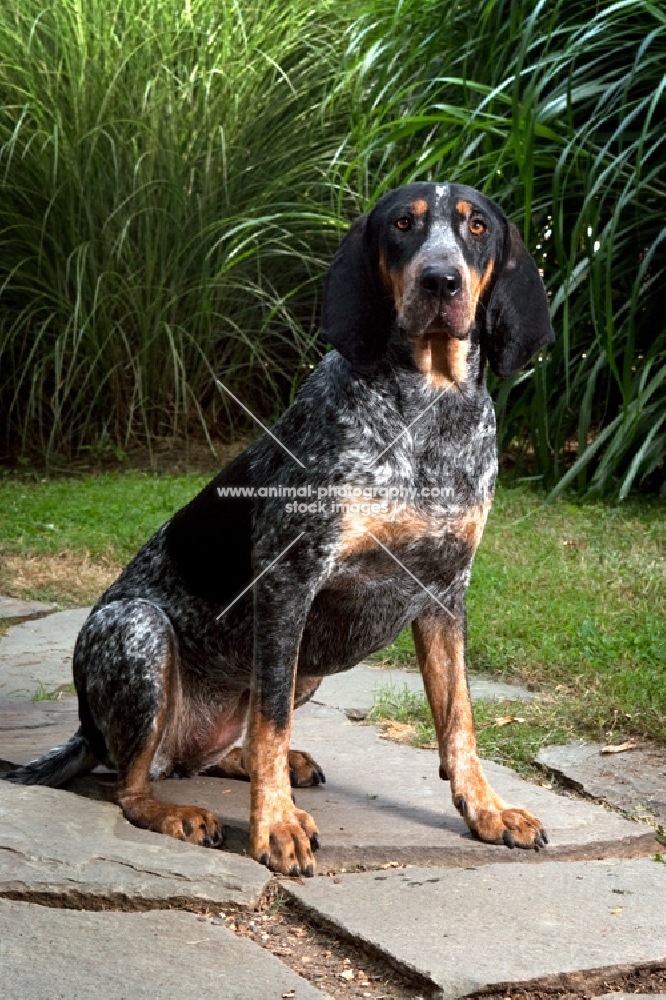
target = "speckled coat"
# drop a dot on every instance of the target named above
(239, 605)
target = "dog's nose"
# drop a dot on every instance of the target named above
(438, 279)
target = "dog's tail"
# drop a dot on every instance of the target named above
(57, 766)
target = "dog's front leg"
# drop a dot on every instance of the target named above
(281, 836)
(440, 648)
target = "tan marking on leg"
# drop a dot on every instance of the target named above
(303, 769)
(134, 796)
(439, 646)
(281, 836)
(231, 766)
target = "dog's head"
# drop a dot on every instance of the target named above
(442, 262)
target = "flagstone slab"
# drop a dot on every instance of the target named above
(634, 781)
(48, 953)
(381, 802)
(59, 847)
(14, 607)
(37, 655)
(357, 689)
(385, 802)
(501, 925)
(29, 729)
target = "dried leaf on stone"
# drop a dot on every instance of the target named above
(619, 747)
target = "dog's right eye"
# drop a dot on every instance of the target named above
(403, 223)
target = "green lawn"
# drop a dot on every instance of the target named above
(107, 512)
(568, 596)
(571, 597)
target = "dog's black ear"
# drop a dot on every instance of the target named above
(356, 314)
(517, 320)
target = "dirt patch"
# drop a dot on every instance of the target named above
(583, 985)
(403, 732)
(71, 579)
(341, 968)
(335, 965)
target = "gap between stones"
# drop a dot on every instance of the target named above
(328, 957)
(563, 785)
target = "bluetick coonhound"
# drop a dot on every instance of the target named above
(424, 290)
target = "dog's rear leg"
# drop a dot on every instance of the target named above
(304, 771)
(129, 663)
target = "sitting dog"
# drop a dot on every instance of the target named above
(234, 611)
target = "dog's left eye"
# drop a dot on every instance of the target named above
(404, 223)
(477, 226)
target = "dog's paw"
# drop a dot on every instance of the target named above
(503, 825)
(196, 826)
(287, 844)
(304, 771)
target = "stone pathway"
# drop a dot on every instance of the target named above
(73, 852)
(498, 925)
(47, 954)
(634, 781)
(479, 916)
(357, 689)
(37, 655)
(14, 608)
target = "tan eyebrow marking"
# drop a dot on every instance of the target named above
(419, 207)
(464, 207)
